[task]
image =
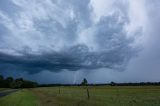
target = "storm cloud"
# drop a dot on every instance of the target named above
(80, 38)
(62, 36)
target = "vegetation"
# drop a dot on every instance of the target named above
(105, 84)
(99, 96)
(19, 98)
(111, 94)
(9, 82)
(84, 82)
(2, 89)
(77, 96)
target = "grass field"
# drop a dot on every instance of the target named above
(2, 89)
(77, 96)
(19, 98)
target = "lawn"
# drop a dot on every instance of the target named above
(77, 96)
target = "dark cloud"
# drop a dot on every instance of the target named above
(73, 59)
(69, 40)
(55, 35)
(111, 46)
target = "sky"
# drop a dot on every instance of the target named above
(64, 41)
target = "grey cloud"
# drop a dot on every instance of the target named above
(68, 31)
(8, 7)
(73, 59)
(53, 26)
(110, 32)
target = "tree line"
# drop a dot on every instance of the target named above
(85, 83)
(10, 82)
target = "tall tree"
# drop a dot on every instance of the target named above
(84, 82)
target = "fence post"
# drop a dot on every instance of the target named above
(59, 90)
(88, 93)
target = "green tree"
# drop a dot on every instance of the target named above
(84, 82)
(112, 83)
(1, 81)
(8, 81)
(1, 78)
(19, 82)
(29, 84)
(13, 85)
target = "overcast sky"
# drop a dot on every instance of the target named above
(64, 41)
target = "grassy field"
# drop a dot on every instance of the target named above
(77, 96)
(19, 98)
(99, 96)
(2, 89)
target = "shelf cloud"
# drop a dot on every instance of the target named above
(75, 35)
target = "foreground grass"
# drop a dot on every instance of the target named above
(99, 96)
(2, 89)
(19, 98)
(77, 96)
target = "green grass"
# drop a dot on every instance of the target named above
(19, 98)
(99, 96)
(2, 89)
(77, 96)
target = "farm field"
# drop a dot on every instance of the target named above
(77, 96)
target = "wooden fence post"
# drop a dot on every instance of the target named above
(88, 93)
(59, 90)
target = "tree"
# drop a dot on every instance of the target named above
(112, 83)
(84, 82)
(1, 81)
(19, 79)
(1, 78)
(29, 84)
(19, 82)
(13, 84)
(8, 81)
